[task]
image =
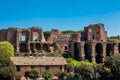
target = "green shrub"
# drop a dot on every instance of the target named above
(47, 74)
(7, 69)
(113, 63)
(86, 70)
(31, 73)
(6, 49)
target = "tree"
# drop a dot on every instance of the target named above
(7, 69)
(72, 64)
(47, 74)
(113, 37)
(71, 31)
(86, 69)
(68, 31)
(115, 40)
(6, 49)
(31, 73)
(56, 53)
(80, 31)
(61, 75)
(103, 71)
(113, 63)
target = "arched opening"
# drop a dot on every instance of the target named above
(99, 52)
(119, 47)
(88, 52)
(23, 47)
(109, 49)
(76, 51)
(38, 46)
(45, 47)
(65, 48)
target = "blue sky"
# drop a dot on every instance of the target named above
(61, 14)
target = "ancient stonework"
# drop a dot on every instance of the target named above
(92, 44)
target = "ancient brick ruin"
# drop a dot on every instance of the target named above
(91, 44)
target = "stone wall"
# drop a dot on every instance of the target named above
(95, 32)
(41, 69)
(91, 44)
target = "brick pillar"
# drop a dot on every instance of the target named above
(115, 48)
(17, 41)
(72, 49)
(29, 36)
(82, 51)
(41, 46)
(93, 52)
(104, 51)
(28, 47)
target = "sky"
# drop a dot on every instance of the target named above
(60, 14)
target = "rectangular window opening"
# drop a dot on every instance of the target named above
(35, 38)
(47, 67)
(23, 38)
(18, 68)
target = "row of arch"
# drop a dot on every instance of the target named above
(98, 50)
(33, 46)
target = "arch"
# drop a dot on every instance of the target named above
(109, 49)
(76, 51)
(46, 47)
(23, 47)
(88, 51)
(99, 52)
(38, 46)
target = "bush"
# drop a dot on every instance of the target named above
(104, 71)
(61, 74)
(47, 74)
(113, 63)
(115, 40)
(86, 70)
(7, 69)
(31, 73)
(6, 49)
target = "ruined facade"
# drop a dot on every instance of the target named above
(92, 44)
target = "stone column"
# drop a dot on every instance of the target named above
(40, 35)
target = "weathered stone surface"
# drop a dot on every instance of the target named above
(91, 44)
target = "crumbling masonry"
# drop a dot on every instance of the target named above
(92, 44)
